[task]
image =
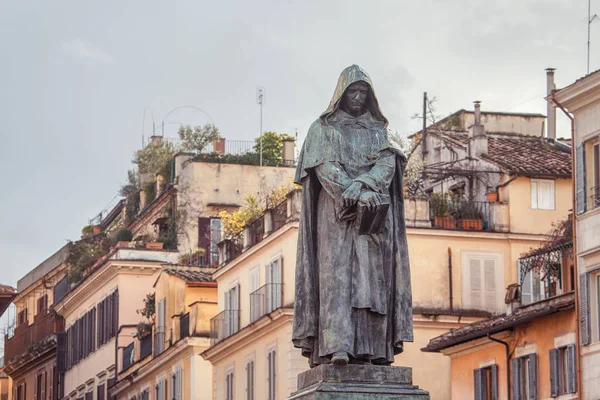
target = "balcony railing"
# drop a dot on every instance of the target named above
(595, 197)
(279, 215)
(23, 341)
(184, 326)
(265, 300)
(460, 214)
(145, 346)
(225, 324)
(128, 355)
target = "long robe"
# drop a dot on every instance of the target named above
(352, 291)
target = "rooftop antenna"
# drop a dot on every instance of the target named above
(590, 19)
(260, 99)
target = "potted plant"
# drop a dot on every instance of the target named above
(468, 215)
(440, 211)
(491, 195)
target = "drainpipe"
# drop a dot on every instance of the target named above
(450, 276)
(551, 111)
(504, 185)
(574, 229)
(508, 393)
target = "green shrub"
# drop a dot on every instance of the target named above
(124, 235)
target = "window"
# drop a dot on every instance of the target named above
(486, 383)
(21, 391)
(161, 328)
(81, 338)
(101, 392)
(40, 385)
(229, 386)
(271, 375)
(250, 380)
(145, 394)
(231, 321)
(209, 234)
(107, 318)
(42, 304)
(160, 389)
(589, 306)
(89, 396)
(563, 378)
(595, 190)
(542, 194)
(176, 385)
(483, 281)
(524, 377)
(22, 318)
(536, 287)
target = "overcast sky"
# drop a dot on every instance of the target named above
(77, 76)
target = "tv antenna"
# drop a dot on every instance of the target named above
(590, 19)
(260, 99)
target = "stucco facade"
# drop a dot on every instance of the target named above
(186, 293)
(128, 273)
(582, 100)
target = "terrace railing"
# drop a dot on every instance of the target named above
(265, 300)
(25, 339)
(184, 326)
(145, 346)
(128, 355)
(461, 214)
(595, 197)
(225, 324)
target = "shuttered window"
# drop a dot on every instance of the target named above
(232, 307)
(580, 189)
(524, 377)
(542, 194)
(584, 309)
(486, 383)
(482, 282)
(271, 376)
(563, 378)
(101, 392)
(250, 380)
(176, 386)
(229, 386)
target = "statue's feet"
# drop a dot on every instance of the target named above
(340, 358)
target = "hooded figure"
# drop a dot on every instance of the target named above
(353, 294)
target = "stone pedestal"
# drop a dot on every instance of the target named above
(357, 382)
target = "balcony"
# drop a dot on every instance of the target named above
(159, 340)
(128, 356)
(265, 300)
(145, 346)
(25, 340)
(453, 213)
(225, 324)
(594, 197)
(184, 326)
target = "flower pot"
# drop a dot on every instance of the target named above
(122, 244)
(491, 197)
(155, 245)
(471, 224)
(444, 222)
(97, 229)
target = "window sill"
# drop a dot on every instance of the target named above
(570, 396)
(590, 349)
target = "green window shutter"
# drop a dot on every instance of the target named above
(571, 373)
(516, 379)
(584, 309)
(554, 372)
(494, 383)
(478, 383)
(533, 377)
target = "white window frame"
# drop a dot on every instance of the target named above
(250, 396)
(271, 380)
(535, 194)
(159, 388)
(498, 258)
(176, 371)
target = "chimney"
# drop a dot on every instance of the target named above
(156, 139)
(478, 142)
(288, 151)
(550, 86)
(219, 146)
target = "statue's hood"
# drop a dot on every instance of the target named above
(352, 74)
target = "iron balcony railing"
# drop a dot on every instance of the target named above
(237, 147)
(265, 300)
(128, 355)
(460, 214)
(225, 324)
(595, 196)
(145, 346)
(279, 215)
(184, 326)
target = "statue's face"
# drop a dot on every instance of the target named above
(355, 97)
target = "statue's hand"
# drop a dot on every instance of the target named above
(351, 195)
(370, 200)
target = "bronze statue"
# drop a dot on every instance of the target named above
(353, 294)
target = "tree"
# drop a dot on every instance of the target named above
(154, 158)
(131, 192)
(272, 146)
(198, 137)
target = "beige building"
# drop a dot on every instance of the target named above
(95, 313)
(165, 363)
(458, 277)
(582, 100)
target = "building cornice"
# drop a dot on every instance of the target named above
(476, 234)
(476, 345)
(249, 333)
(580, 93)
(254, 249)
(101, 277)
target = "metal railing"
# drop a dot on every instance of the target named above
(184, 326)
(279, 215)
(595, 197)
(206, 259)
(460, 214)
(236, 147)
(265, 300)
(257, 229)
(225, 324)
(159, 340)
(128, 356)
(145, 346)
(24, 340)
